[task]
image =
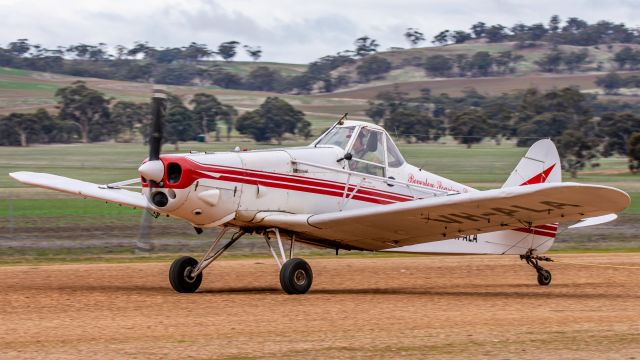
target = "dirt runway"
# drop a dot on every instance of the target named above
(442, 307)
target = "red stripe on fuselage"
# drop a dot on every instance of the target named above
(302, 188)
(536, 232)
(302, 181)
(193, 171)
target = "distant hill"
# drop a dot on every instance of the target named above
(340, 74)
(26, 91)
(243, 68)
(456, 86)
(408, 72)
(23, 90)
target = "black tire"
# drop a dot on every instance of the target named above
(296, 276)
(179, 278)
(544, 277)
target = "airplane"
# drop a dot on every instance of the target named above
(351, 189)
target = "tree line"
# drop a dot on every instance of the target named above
(612, 82)
(574, 31)
(140, 50)
(484, 63)
(481, 63)
(188, 65)
(87, 115)
(582, 127)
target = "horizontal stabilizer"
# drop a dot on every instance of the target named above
(597, 220)
(81, 188)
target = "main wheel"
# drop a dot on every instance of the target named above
(296, 276)
(180, 275)
(544, 277)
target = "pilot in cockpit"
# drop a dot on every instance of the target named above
(358, 149)
(368, 153)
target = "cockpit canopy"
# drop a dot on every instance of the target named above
(370, 146)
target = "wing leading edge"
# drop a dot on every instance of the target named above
(434, 219)
(81, 188)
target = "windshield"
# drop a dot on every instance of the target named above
(394, 158)
(338, 136)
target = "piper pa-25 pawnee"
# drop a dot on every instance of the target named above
(350, 189)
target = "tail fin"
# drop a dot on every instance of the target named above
(541, 164)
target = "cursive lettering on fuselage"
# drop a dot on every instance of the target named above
(435, 185)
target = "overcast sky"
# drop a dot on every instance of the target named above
(294, 31)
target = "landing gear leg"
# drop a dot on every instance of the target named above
(296, 276)
(185, 274)
(544, 275)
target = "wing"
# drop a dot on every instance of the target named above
(82, 188)
(388, 226)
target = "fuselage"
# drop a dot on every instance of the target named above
(212, 189)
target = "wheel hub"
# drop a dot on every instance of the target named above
(545, 275)
(300, 277)
(187, 274)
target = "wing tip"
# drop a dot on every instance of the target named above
(19, 175)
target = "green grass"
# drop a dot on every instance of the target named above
(634, 208)
(484, 165)
(13, 72)
(19, 85)
(62, 207)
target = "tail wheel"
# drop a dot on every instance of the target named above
(180, 275)
(296, 276)
(544, 277)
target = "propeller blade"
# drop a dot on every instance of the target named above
(153, 169)
(158, 112)
(144, 245)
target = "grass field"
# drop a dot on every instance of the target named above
(484, 165)
(17, 85)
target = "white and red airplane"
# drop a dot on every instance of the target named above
(350, 189)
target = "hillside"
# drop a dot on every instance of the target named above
(26, 91)
(484, 85)
(243, 68)
(599, 53)
(408, 73)
(22, 90)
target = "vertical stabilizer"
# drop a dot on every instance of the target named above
(541, 164)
